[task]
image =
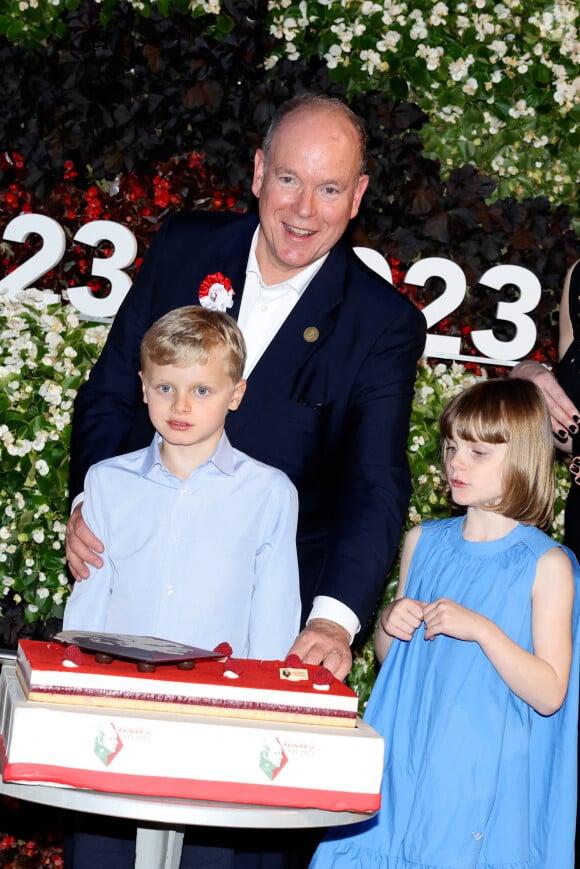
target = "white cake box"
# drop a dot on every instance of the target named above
(188, 756)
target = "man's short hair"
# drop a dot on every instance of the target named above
(189, 335)
(318, 101)
(513, 412)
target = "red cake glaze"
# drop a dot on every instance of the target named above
(232, 687)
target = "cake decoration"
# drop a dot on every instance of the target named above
(322, 679)
(234, 688)
(233, 668)
(71, 656)
(224, 649)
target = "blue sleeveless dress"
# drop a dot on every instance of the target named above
(473, 775)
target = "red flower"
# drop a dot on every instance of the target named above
(69, 170)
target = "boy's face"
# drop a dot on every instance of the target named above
(188, 404)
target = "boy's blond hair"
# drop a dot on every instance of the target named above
(189, 335)
(512, 412)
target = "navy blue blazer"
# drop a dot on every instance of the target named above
(332, 413)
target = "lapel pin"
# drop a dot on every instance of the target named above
(311, 334)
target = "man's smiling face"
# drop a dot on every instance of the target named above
(309, 188)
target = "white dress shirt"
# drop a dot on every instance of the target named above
(264, 308)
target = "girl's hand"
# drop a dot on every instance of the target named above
(401, 618)
(444, 616)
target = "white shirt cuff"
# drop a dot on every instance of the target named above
(77, 500)
(324, 607)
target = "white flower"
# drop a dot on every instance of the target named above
(370, 59)
(498, 47)
(419, 31)
(431, 56)
(438, 15)
(389, 42)
(332, 56)
(51, 392)
(459, 69)
(38, 535)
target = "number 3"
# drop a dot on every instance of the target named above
(515, 312)
(110, 267)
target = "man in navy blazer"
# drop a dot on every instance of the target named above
(334, 364)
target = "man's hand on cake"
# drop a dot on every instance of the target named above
(325, 642)
(82, 547)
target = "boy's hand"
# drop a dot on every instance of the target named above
(402, 617)
(325, 642)
(81, 546)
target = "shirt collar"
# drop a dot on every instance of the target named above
(222, 459)
(298, 282)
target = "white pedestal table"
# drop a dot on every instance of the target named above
(161, 821)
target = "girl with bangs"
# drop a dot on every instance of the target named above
(477, 699)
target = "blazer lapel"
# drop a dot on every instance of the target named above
(306, 328)
(234, 254)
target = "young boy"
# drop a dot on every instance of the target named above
(199, 538)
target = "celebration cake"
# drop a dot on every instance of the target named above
(286, 691)
(198, 757)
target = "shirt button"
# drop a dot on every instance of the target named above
(170, 590)
(263, 308)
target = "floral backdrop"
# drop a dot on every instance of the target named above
(499, 81)
(125, 111)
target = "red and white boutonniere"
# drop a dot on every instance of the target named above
(216, 292)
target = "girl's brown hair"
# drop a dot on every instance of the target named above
(513, 412)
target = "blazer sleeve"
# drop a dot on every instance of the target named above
(374, 476)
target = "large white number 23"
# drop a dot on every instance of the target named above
(125, 249)
(516, 312)
(52, 250)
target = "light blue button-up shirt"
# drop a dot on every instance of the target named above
(205, 560)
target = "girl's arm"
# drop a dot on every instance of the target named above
(403, 615)
(539, 679)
